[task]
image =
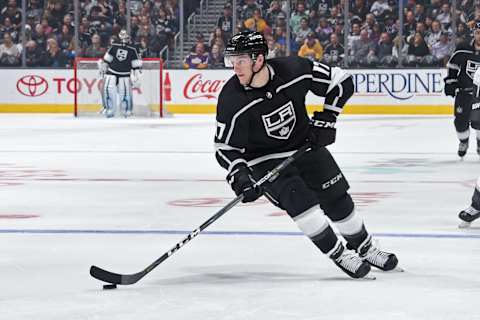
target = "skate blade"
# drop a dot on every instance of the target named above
(366, 278)
(464, 225)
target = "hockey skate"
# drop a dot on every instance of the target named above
(349, 261)
(468, 216)
(462, 148)
(380, 259)
(478, 147)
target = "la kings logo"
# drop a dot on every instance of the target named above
(280, 123)
(471, 67)
(121, 54)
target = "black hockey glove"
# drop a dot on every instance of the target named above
(450, 87)
(241, 181)
(322, 129)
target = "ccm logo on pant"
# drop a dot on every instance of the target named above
(332, 181)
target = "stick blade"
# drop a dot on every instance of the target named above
(104, 275)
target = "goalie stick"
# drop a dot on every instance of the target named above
(126, 279)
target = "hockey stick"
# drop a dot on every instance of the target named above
(125, 279)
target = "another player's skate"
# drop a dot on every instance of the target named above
(349, 261)
(478, 147)
(468, 216)
(462, 148)
(380, 259)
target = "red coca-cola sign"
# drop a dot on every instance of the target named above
(197, 87)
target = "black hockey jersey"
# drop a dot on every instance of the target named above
(462, 65)
(122, 59)
(258, 124)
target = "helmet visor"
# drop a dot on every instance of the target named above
(237, 59)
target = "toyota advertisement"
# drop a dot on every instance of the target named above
(196, 91)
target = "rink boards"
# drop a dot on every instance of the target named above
(378, 91)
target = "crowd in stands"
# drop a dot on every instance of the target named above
(317, 30)
(50, 29)
(373, 38)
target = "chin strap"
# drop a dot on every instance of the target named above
(254, 58)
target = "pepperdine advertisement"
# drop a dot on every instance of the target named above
(414, 91)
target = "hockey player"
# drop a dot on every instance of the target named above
(262, 118)
(472, 213)
(120, 70)
(458, 83)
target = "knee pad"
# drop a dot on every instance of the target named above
(340, 208)
(295, 197)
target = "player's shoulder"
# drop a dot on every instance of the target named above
(464, 47)
(290, 67)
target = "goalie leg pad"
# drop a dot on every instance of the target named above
(110, 94)
(125, 93)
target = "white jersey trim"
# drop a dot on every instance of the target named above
(226, 147)
(288, 84)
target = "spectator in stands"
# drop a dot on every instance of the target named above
(65, 39)
(418, 52)
(369, 23)
(434, 34)
(353, 36)
(200, 39)
(164, 27)
(334, 51)
(281, 22)
(215, 59)
(445, 16)
(274, 50)
(12, 12)
(389, 24)
(420, 12)
(360, 9)
(8, 27)
(273, 12)
(95, 50)
(323, 31)
(311, 49)
(463, 34)
(34, 10)
(55, 57)
(410, 24)
(9, 53)
(335, 16)
(297, 16)
(363, 51)
(217, 37)
(248, 9)
(34, 56)
(322, 7)
(420, 28)
(144, 49)
(280, 38)
(256, 22)
(39, 36)
(385, 51)
(197, 59)
(378, 7)
(442, 50)
(225, 22)
(302, 33)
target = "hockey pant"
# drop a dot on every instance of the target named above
(310, 190)
(117, 90)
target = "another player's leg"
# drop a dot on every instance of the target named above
(110, 95)
(331, 188)
(290, 193)
(463, 106)
(125, 90)
(475, 122)
(471, 213)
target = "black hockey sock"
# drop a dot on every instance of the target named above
(325, 240)
(476, 199)
(355, 240)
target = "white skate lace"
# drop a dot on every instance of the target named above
(349, 261)
(377, 257)
(471, 211)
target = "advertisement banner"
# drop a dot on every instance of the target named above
(196, 91)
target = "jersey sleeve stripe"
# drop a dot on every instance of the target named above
(453, 66)
(223, 146)
(234, 119)
(288, 84)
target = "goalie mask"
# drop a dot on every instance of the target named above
(124, 37)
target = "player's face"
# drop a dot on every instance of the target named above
(242, 66)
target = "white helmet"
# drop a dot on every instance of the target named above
(124, 37)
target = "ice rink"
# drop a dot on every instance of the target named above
(118, 193)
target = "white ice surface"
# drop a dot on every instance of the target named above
(85, 180)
